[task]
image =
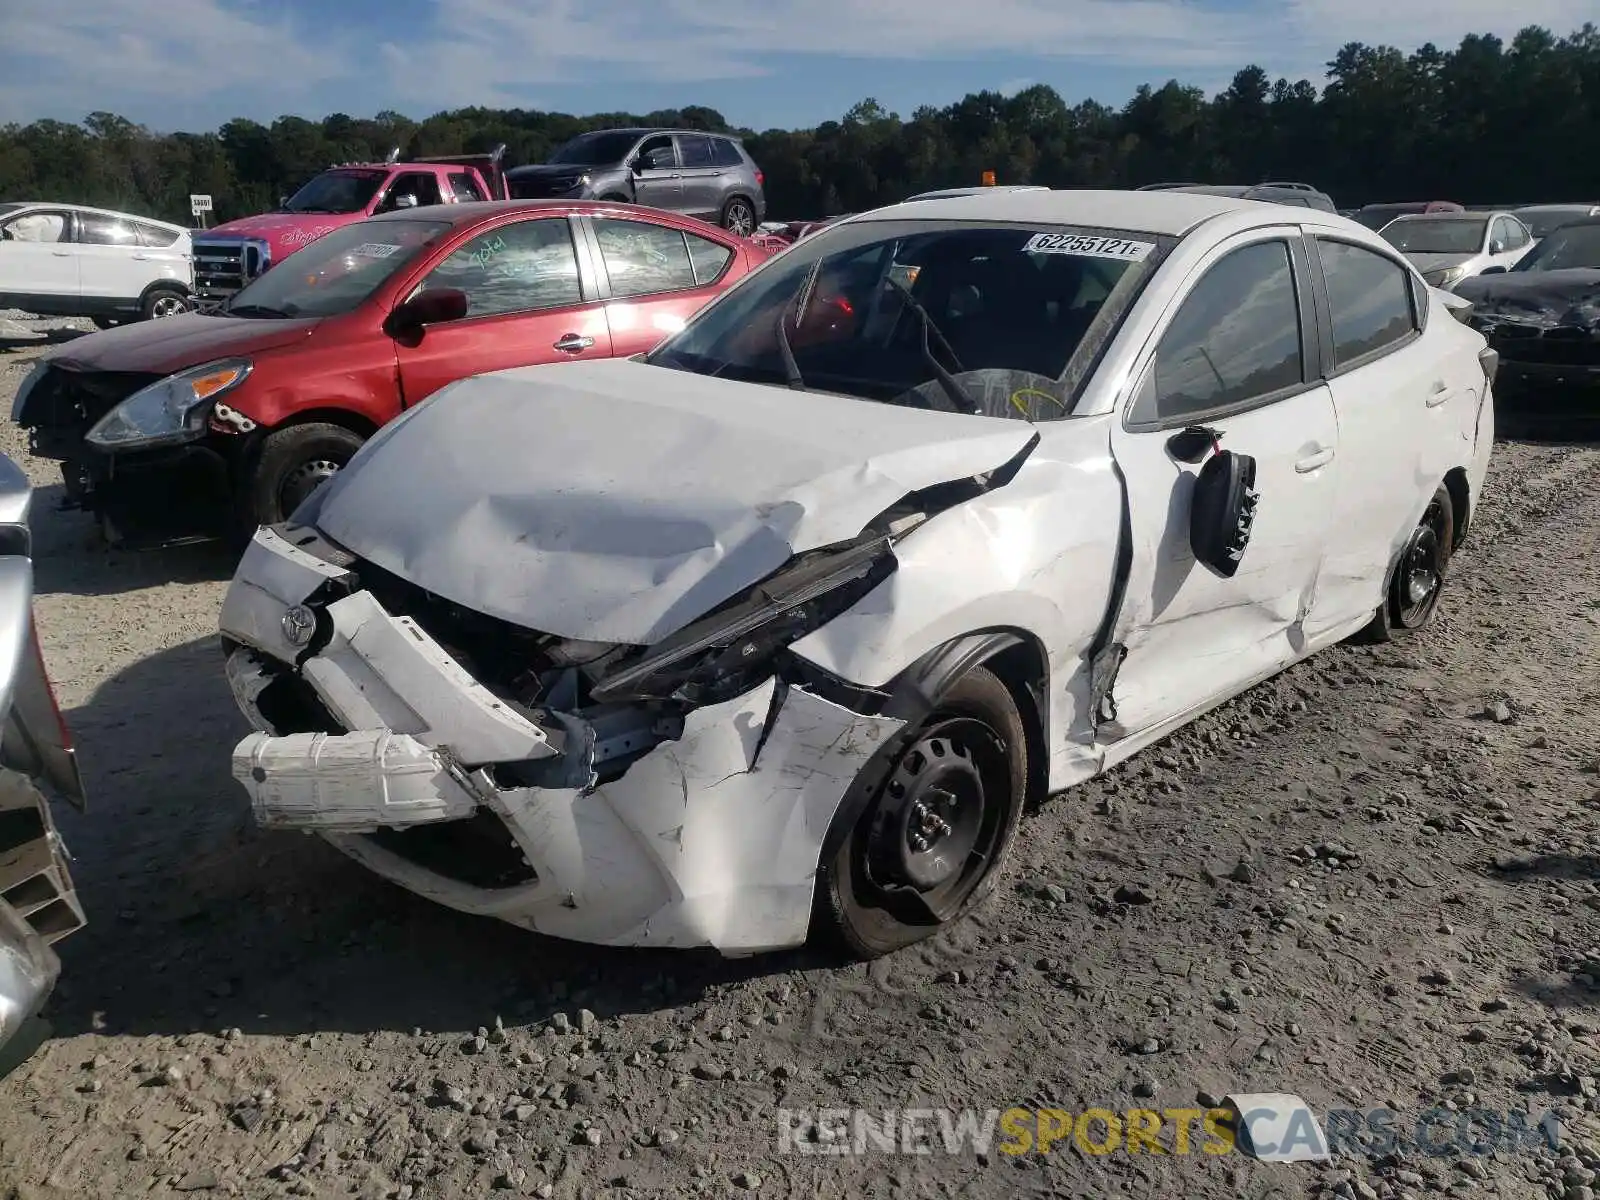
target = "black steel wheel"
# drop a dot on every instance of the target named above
(1417, 578)
(928, 845)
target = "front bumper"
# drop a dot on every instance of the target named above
(711, 838)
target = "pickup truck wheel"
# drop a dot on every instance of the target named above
(292, 463)
(104, 322)
(163, 302)
(1418, 575)
(928, 847)
(738, 217)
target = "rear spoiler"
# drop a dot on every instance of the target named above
(490, 166)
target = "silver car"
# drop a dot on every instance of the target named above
(38, 903)
(1544, 219)
(1448, 247)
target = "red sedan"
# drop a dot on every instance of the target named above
(255, 404)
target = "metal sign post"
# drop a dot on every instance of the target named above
(199, 207)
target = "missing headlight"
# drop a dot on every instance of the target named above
(727, 653)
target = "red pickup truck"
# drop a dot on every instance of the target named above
(211, 423)
(232, 254)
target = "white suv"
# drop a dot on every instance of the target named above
(64, 260)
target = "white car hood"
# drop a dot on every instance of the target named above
(616, 501)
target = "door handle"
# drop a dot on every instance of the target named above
(141, 258)
(1441, 392)
(1311, 462)
(62, 253)
(573, 343)
(675, 175)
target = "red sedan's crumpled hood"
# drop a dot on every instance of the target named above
(284, 232)
(175, 343)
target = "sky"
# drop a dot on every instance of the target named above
(193, 64)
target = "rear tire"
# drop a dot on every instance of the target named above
(739, 217)
(292, 463)
(105, 322)
(930, 843)
(1417, 577)
(163, 302)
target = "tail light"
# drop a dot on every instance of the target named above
(761, 178)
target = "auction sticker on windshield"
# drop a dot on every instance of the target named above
(1090, 247)
(374, 250)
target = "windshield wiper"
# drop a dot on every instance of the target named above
(254, 310)
(962, 398)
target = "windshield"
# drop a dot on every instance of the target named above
(1435, 235)
(1543, 224)
(593, 149)
(337, 192)
(336, 273)
(1575, 247)
(1000, 319)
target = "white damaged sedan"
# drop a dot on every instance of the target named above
(777, 629)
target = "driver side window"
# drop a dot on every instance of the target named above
(1235, 341)
(421, 186)
(522, 267)
(37, 227)
(656, 153)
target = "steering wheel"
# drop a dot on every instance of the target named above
(998, 392)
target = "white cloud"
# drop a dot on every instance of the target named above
(68, 57)
(75, 56)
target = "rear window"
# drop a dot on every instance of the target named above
(724, 153)
(464, 188)
(1009, 311)
(155, 236)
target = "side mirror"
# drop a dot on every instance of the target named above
(1495, 270)
(1497, 246)
(1222, 511)
(636, 164)
(283, 201)
(7, 236)
(426, 308)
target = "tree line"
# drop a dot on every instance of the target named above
(1485, 122)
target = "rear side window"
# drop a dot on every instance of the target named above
(1370, 298)
(724, 153)
(155, 236)
(642, 258)
(463, 187)
(708, 257)
(1236, 337)
(696, 151)
(94, 230)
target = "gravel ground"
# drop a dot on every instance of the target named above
(1370, 881)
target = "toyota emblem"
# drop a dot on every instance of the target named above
(298, 624)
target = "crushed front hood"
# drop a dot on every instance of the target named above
(1544, 298)
(615, 501)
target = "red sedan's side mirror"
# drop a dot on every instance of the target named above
(427, 308)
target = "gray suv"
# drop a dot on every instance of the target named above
(706, 175)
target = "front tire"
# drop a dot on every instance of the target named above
(1418, 575)
(292, 463)
(739, 217)
(929, 845)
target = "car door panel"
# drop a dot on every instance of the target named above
(658, 186)
(112, 263)
(1190, 636)
(1405, 404)
(702, 178)
(655, 279)
(528, 303)
(39, 259)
